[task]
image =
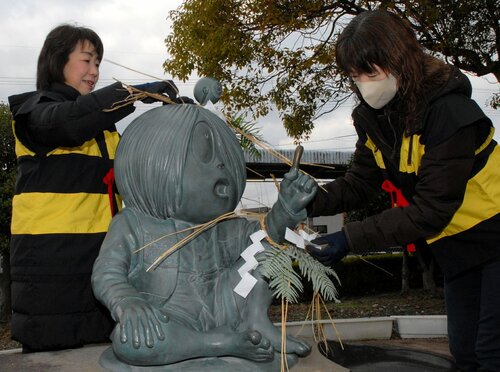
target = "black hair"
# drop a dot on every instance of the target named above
(384, 39)
(58, 45)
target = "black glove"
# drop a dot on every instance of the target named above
(159, 87)
(184, 99)
(335, 250)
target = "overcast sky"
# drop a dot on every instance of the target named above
(133, 33)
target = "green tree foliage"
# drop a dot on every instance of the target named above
(495, 101)
(466, 33)
(7, 179)
(280, 54)
(7, 174)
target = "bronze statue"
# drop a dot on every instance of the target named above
(178, 166)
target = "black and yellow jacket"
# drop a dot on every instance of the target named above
(65, 146)
(448, 168)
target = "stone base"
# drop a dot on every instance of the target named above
(88, 359)
(109, 361)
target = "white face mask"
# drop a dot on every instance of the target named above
(378, 93)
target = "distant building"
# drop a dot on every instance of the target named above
(320, 164)
(326, 224)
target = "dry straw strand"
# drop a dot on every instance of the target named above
(188, 238)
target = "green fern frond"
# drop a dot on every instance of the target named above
(287, 285)
(317, 273)
(283, 280)
(273, 261)
(276, 265)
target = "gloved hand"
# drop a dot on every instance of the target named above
(184, 99)
(335, 250)
(159, 87)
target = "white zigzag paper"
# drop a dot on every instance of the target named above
(247, 282)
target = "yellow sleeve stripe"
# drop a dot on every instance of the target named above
(487, 141)
(51, 213)
(481, 201)
(417, 152)
(112, 139)
(20, 149)
(89, 148)
(376, 153)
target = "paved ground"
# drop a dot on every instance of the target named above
(437, 346)
(87, 358)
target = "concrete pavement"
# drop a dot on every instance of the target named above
(86, 359)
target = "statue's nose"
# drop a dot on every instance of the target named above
(221, 166)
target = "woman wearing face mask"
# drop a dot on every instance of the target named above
(64, 196)
(422, 138)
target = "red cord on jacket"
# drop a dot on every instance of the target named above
(397, 200)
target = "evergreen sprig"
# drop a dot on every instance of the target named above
(240, 121)
(286, 283)
(317, 273)
(283, 280)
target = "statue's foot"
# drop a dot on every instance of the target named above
(297, 346)
(293, 345)
(250, 345)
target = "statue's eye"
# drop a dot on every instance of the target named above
(202, 143)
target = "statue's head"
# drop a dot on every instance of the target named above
(180, 161)
(207, 89)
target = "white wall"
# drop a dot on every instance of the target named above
(332, 223)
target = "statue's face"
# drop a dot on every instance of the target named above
(208, 187)
(207, 89)
(216, 91)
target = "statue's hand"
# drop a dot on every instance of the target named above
(139, 322)
(296, 191)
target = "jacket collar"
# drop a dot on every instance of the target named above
(25, 102)
(65, 90)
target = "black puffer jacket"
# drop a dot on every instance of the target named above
(445, 165)
(65, 147)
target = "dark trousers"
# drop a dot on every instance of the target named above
(473, 308)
